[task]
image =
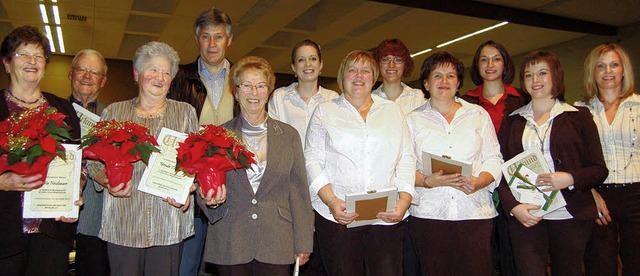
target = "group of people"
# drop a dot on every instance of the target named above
(313, 146)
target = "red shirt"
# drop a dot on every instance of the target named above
(495, 110)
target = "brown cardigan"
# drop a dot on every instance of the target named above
(575, 148)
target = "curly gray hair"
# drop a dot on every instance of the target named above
(154, 49)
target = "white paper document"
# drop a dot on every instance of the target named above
(87, 118)
(369, 204)
(61, 188)
(160, 177)
(521, 173)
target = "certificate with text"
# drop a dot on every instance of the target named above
(160, 177)
(61, 188)
(87, 118)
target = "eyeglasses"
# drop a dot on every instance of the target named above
(396, 60)
(82, 70)
(247, 87)
(28, 57)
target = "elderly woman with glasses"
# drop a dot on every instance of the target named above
(30, 246)
(145, 232)
(266, 221)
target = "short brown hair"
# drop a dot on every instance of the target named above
(395, 47)
(251, 62)
(557, 73)
(352, 58)
(23, 36)
(440, 58)
(590, 85)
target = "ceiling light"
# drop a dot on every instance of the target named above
(60, 39)
(56, 15)
(474, 33)
(421, 52)
(47, 31)
(43, 13)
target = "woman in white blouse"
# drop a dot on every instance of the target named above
(452, 223)
(356, 143)
(615, 105)
(395, 62)
(295, 103)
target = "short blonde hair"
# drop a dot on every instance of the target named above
(352, 58)
(251, 62)
(590, 84)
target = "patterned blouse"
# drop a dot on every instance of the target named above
(144, 220)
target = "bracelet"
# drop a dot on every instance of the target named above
(329, 202)
(424, 181)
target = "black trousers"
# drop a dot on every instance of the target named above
(155, 260)
(563, 241)
(91, 256)
(601, 257)
(254, 268)
(453, 247)
(42, 255)
(365, 250)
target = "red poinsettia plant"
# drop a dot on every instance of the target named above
(118, 145)
(31, 139)
(210, 153)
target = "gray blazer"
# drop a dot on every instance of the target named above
(273, 223)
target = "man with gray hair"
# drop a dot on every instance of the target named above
(204, 84)
(88, 74)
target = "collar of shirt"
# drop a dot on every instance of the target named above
(377, 103)
(206, 75)
(509, 90)
(92, 106)
(557, 109)
(378, 91)
(293, 96)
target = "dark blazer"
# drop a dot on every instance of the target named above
(575, 148)
(273, 223)
(11, 237)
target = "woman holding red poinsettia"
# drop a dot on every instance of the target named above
(30, 246)
(144, 233)
(266, 221)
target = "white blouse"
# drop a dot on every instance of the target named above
(471, 138)
(286, 106)
(355, 156)
(409, 99)
(620, 143)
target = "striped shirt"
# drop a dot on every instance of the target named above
(620, 142)
(144, 220)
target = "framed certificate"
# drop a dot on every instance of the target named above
(160, 177)
(434, 163)
(61, 189)
(369, 204)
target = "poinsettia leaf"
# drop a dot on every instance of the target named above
(53, 128)
(242, 159)
(36, 151)
(210, 151)
(13, 158)
(61, 153)
(88, 141)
